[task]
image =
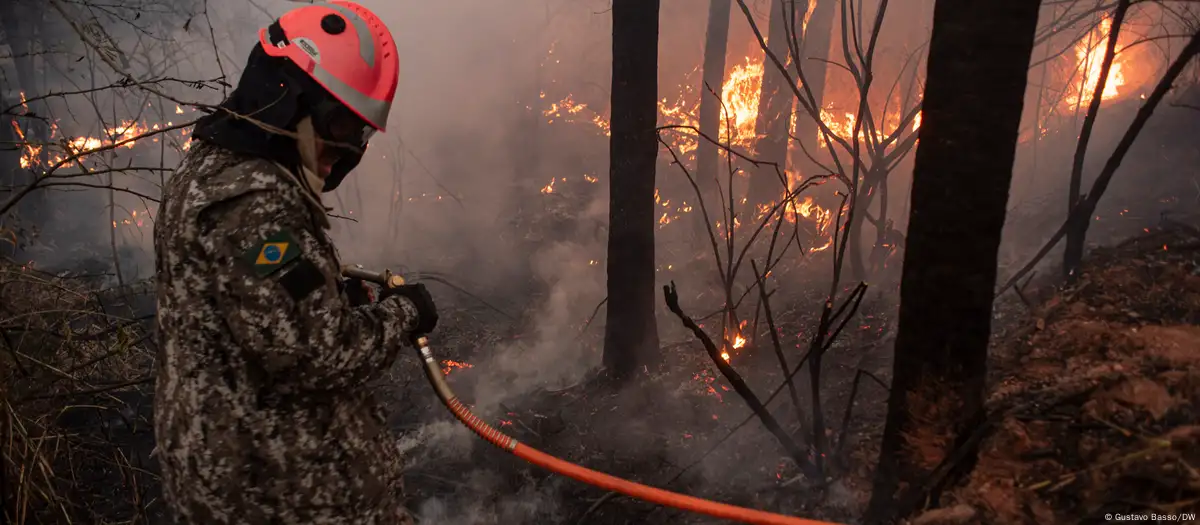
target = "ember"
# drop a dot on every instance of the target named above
(449, 365)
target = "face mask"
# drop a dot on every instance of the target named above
(341, 168)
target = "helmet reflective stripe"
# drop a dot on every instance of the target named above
(374, 111)
(366, 46)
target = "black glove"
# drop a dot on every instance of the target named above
(427, 316)
(358, 291)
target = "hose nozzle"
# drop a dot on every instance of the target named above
(385, 278)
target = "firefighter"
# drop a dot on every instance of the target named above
(262, 413)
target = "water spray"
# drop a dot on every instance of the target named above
(559, 466)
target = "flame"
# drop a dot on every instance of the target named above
(807, 209)
(739, 101)
(843, 127)
(1089, 55)
(736, 341)
(569, 111)
(449, 365)
(29, 152)
(798, 208)
(125, 135)
(739, 96)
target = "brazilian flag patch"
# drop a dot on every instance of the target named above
(268, 256)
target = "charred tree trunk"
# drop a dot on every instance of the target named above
(814, 53)
(715, 42)
(978, 61)
(631, 333)
(774, 108)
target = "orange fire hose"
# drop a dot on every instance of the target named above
(558, 466)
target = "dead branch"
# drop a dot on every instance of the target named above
(842, 435)
(739, 385)
(75, 157)
(591, 318)
(783, 366)
(849, 303)
(432, 177)
(90, 391)
(122, 83)
(108, 186)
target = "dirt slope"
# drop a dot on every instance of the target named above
(1096, 399)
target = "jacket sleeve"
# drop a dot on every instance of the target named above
(279, 296)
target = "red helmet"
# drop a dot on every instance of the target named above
(346, 49)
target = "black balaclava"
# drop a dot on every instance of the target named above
(276, 92)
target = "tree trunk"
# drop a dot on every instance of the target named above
(631, 333)
(815, 52)
(978, 61)
(774, 107)
(715, 42)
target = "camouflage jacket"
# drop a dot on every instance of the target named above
(261, 410)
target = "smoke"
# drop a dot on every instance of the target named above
(530, 504)
(454, 185)
(554, 359)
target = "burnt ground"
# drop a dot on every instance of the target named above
(1094, 390)
(1097, 384)
(672, 430)
(651, 432)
